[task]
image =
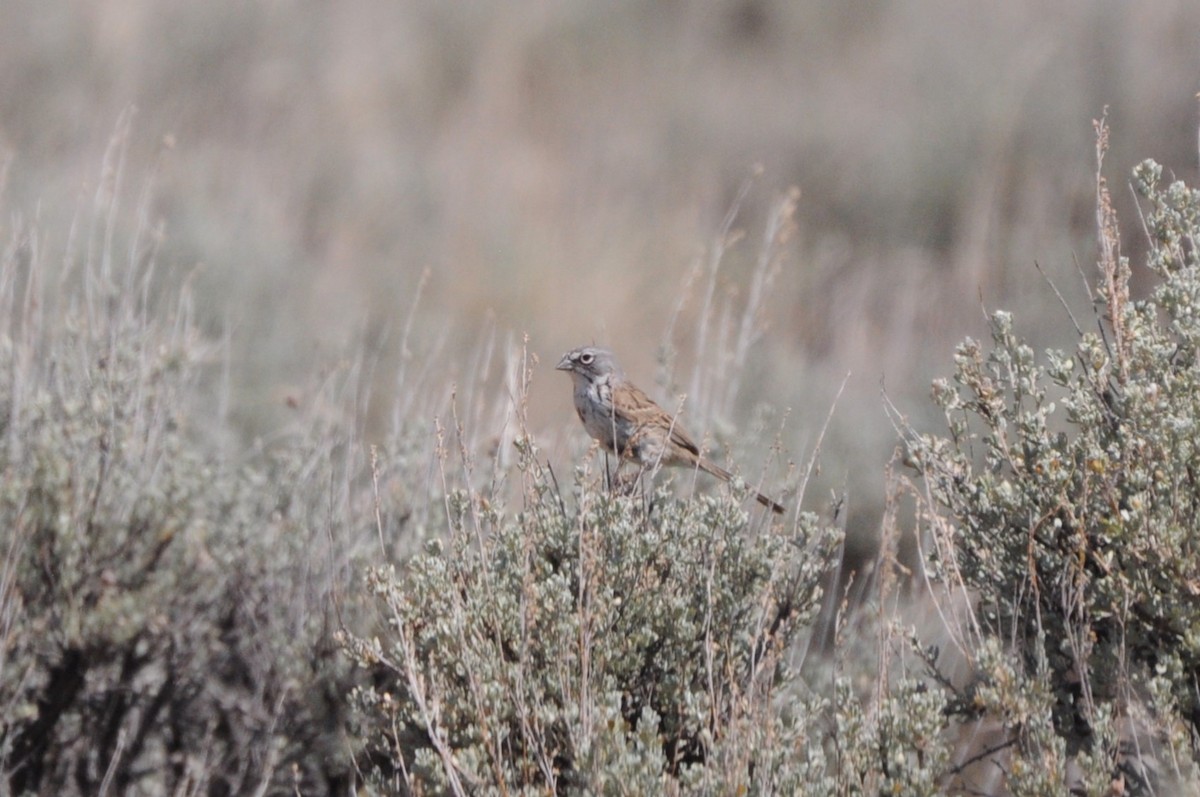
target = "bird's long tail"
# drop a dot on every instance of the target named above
(724, 475)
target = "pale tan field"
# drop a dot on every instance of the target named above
(562, 169)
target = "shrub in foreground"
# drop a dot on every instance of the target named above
(1064, 504)
(614, 648)
(161, 611)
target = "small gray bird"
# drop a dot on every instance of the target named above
(618, 414)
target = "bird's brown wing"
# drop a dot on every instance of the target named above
(631, 400)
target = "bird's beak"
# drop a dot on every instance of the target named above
(564, 364)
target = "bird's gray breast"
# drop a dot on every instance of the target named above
(593, 402)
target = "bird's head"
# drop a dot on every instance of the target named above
(590, 362)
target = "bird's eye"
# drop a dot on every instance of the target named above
(586, 358)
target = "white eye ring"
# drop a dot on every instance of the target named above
(587, 358)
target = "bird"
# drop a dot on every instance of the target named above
(619, 415)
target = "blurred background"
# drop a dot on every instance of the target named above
(563, 168)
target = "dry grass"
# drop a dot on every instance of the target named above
(556, 166)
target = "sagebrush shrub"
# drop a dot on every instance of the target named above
(611, 648)
(163, 624)
(1064, 503)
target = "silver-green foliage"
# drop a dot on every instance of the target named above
(612, 649)
(1065, 499)
(161, 607)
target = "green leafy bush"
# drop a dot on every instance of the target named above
(615, 648)
(1063, 507)
(162, 607)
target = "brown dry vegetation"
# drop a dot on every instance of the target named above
(559, 167)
